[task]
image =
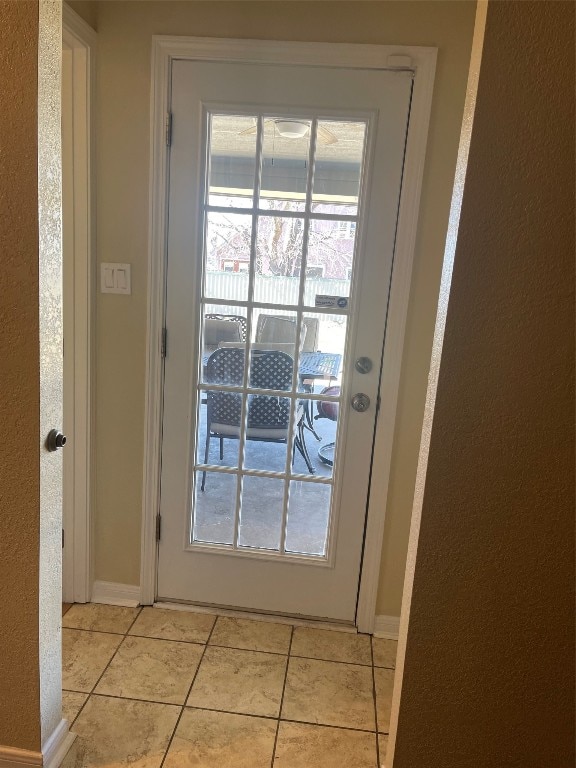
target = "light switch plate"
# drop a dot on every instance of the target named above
(115, 278)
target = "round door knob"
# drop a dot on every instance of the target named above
(360, 402)
(55, 440)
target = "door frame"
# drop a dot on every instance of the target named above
(421, 61)
(80, 40)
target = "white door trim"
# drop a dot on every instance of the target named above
(424, 64)
(422, 61)
(80, 40)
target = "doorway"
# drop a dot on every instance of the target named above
(284, 190)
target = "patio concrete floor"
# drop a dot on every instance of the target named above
(263, 498)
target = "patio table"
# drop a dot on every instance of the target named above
(313, 365)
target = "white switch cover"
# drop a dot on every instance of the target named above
(115, 278)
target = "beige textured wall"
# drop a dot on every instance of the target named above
(125, 30)
(19, 380)
(489, 667)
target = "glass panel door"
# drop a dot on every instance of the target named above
(284, 183)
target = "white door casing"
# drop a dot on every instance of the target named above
(421, 63)
(78, 62)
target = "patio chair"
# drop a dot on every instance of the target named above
(278, 329)
(240, 332)
(268, 415)
(312, 325)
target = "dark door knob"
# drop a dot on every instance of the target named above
(55, 440)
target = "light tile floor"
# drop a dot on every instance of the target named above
(155, 688)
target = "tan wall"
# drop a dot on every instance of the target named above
(489, 669)
(87, 9)
(125, 30)
(19, 379)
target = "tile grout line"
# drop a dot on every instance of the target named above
(124, 636)
(96, 631)
(282, 698)
(107, 665)
(374, 700)
(187, 696)
(229, 647)
(232, 712)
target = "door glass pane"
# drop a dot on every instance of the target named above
(222, 326)
(265, 454)
(325, 333)
(274, 329)
(214, 508)
(320, 369)
(278, 259)
(218, 428)
(317, 430)
(285, 153)
(227, 261)
(331, 246)
(261, 514)
(308, 517)
(267, 431)
(223, 358)
(232, 160)
(338, 166)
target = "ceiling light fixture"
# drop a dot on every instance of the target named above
(292, 129)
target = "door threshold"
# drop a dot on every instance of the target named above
(275, 618)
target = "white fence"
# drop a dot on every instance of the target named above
(272, 290)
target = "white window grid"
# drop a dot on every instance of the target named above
(248, 306)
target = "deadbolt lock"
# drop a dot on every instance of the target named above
(363, 365)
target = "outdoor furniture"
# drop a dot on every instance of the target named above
(277, 328)
(312, 330)
(319, 365)
(268, 415)
(239, 319)
(327, 410)
(313, 366)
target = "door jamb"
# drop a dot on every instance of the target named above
(422, 62)
(78, 213)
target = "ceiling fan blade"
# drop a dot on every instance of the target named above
(248, 131)
(253, 129)
(325, 136)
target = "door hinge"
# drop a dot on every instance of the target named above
(164, 342)
(378, 401)
(62, 538)
(168, 129)
(158, 527)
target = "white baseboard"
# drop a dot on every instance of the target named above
(111, 593)
(11, 757)
(53, 752)
(57, 746)
(387, 627)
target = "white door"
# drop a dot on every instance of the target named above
(284, 189)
